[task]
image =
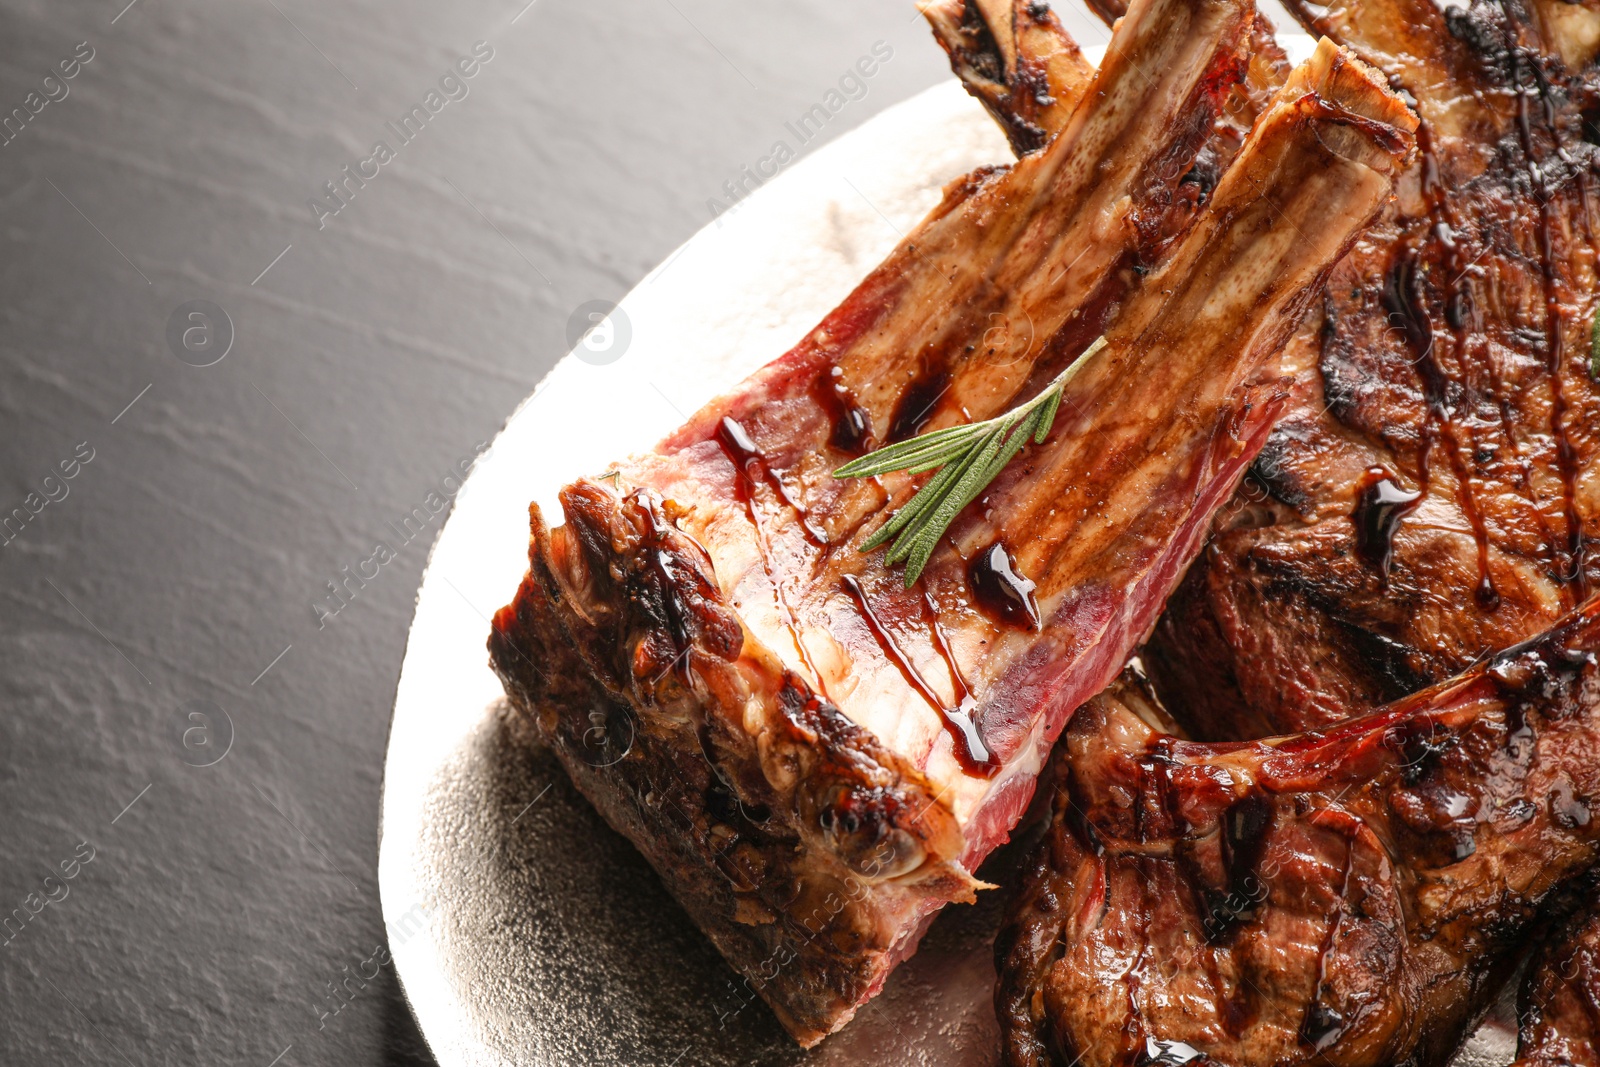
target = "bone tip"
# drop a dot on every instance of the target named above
(1343, 78)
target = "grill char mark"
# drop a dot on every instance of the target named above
(1450, 349)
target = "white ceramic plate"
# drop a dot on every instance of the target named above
(524, 931)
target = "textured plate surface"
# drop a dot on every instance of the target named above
(526, 932)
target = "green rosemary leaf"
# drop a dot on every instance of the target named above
(922, 458)
(1594, 347)
(980, 471)
(929, 505)
(926, 497)
(892, 457)
(1047, 417)
(968, 459)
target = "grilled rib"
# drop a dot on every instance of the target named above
(1347, 898)
(1015, 57)
(1017, 60)
(818, 758)
(1429, 496)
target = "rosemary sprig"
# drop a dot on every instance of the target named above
(967, 458)
(1594, 348)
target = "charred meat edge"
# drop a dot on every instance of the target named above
(1017, 60)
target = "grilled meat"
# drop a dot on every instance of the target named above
(1559, 1008)
(1430, 495)
(1348, 897)
(1017, 60)
(814, 757)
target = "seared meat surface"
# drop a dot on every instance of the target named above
(1017, 60)
(816, 757)
(1559, 1009)
(1431, 493)
(1349, 897)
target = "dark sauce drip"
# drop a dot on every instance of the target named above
(1154, 778)
(1381, 503)
(918, 404)
(1518, 733)
(971, 752)
(1159, 1053)
(1544, 670)
(852, 426)
(1569, 562)
(1244, 838)
(1420, 743)
(662, 569)
(742, 453)
(1390, 138)
(1443, 817)
(1238, 1008)
(748, 461)
(942, 643)
(1403, 299)
(886, 641)
(1001, 591)
(1323, 1025)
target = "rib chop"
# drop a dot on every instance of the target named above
(1348, 898)
(816, 758)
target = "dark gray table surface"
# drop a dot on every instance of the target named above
(175, 573)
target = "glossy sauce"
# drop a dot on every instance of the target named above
(1381, 503)
(1569, 559)
(971, 752)
(918, 404)
(1405, 297)
(1158, 1053)
(1323, 1025)
(748, 461)
(742, 453)
(852, 426)
(1244, 837)
(1001, 591)
(1404, 301)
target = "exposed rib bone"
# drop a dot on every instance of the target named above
(1014, 56)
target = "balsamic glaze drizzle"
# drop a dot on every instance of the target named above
(1001, 590)
(1381, 502)
(971, 752)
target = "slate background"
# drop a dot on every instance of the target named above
(223, 901)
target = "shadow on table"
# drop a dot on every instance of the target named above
(403, 1043)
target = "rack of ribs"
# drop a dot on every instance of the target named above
(1430, 493)
(816, 758)
(1349, 897)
